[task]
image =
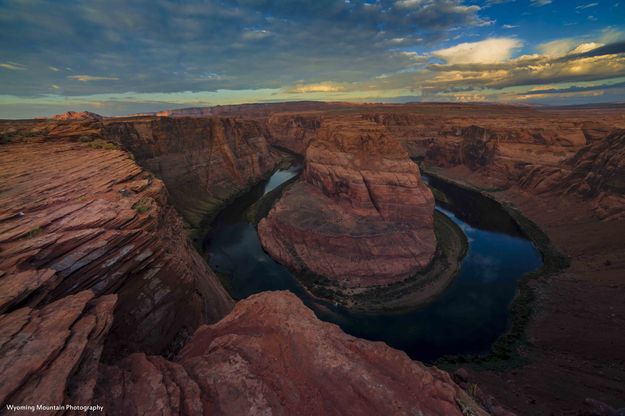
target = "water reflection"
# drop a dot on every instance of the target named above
(466, 318)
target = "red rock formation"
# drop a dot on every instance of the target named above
(596, 172)
(76, 216)
(51, 355)
(203, 162)
(476, 149)
(361, 214)
(271, 355)
(77, 116)
(293, 131)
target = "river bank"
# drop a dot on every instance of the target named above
(569, 350)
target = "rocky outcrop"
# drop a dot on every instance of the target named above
(293, 131)
(271, 355)
(596, 172)
(360, 216)
(51, 355)
(77, 216)
(476, 150)
(77, 116)
(204, 162)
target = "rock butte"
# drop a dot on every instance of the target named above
(360, 215)
(104, 299)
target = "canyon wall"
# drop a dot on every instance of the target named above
(203, 161)
(78, 216)
(596, 173)
(360, 215)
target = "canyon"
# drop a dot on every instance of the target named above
(105, 299)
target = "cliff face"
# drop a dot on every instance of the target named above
(77, 216)
(360, 216)
(493, 139)
(271, 355)
(476, 149)
(293, 131)
(596, 172)
(203, 162)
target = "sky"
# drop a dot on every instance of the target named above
(118, 57)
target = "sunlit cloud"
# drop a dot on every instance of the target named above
(320, 87)
(88, 78)
(12, 66)
(586, 6)
(486, 51)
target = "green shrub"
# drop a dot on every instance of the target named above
(140, 207)
(34, 232)
(101, 144)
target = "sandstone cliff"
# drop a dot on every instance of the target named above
(271, 355)
(204, 162)
(360, 216)
(77, 216)
(596, 172)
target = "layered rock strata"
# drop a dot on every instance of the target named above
(51, 355)
(203, 162)
(596, 173)
(271, 355)
(360, 216)
(78, 216)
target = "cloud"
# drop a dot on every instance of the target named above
(487, 51)
(490, 3)
(166, 45)
(540, 3)
(558, 47)
(201, 52)
(312, 88)
(586, 47)
(575, 88)
(586, 6)
(255, 34)
(88, 78)
(12, 66)
(602, 63)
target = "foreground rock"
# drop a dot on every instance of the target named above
(77, 216)
(51, 356)
(271, 355)
(360, 216)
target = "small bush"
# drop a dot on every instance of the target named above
(85, 139)
(34, 232)
(102, 144)
(140, 207)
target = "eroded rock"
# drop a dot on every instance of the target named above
(271, 355)
(360, 216)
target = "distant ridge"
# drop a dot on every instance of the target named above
(77, 115)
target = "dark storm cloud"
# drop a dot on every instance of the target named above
(574, 88)
(113, 46)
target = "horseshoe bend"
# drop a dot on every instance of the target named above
(109, 296)
(360, 215)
